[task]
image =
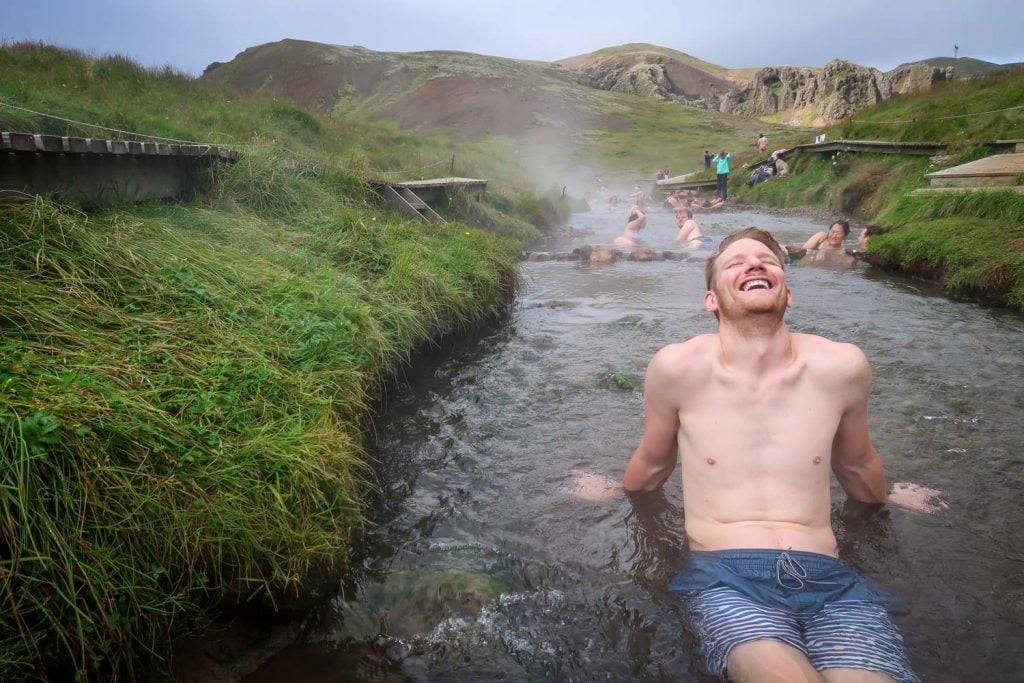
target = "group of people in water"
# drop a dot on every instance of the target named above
(825, 245)
(689, 234)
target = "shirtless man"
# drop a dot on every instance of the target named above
(689, 232)
(768, 596)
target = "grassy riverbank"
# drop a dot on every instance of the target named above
(184, 386)
(971, 243)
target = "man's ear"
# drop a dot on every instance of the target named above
(710, 302)
(789, 297)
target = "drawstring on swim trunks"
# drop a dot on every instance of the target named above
(788, 566)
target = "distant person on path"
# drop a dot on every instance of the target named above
(722, 169)
(760, 418)
(762, 143)
(707, 159)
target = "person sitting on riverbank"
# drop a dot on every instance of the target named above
(689, 232)
(636, 222)
(759, 175)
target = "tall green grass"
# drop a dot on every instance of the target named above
(184, 388)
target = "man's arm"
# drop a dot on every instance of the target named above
(854, 459)
(655, 458)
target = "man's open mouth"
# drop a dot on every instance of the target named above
(755, 284)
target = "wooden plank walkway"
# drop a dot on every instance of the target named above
(413, 196)
(55, 144)
(996, 170)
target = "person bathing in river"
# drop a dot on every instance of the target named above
(759, 416)
(824, 247)
(674, 201)
(866, 234)
(831, 240)
(689, 232)
(636, 222)
(716, 203)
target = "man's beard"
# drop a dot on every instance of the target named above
(763, 310)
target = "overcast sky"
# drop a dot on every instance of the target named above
(190, 34)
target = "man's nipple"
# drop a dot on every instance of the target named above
(817, 460)
(711, 461)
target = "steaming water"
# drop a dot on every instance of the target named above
(485, 566)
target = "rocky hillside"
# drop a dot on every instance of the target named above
(817, 97)
(470, 95)
(653, 71)
(539, 114)
(793, 95)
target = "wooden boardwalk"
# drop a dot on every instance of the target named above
(998, 170)
(413, 196)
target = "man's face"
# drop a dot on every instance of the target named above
(862, 240)
(748, 279)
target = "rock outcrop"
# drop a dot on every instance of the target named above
(834, 92)
(658, 76)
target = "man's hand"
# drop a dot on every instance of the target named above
(917, 498)
(592, 486)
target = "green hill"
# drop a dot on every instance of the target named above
(962, 66)
(533, 115)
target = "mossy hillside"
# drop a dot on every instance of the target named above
(967, 241)
(184, 387)
(960, 112)
(973, 243)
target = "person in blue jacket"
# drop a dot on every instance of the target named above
(721, 161)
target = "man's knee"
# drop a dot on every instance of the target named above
(770, 661)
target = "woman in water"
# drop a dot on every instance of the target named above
(831, 240)
(636, 222)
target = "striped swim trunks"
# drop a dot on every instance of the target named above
(815, 603)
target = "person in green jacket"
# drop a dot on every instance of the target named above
(722, 168)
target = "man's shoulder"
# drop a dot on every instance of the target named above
(833, 355)
(685, 355)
